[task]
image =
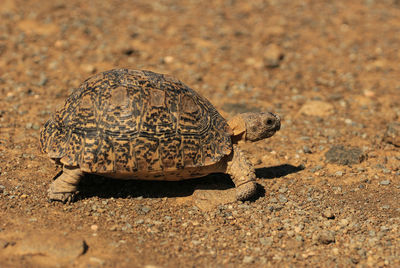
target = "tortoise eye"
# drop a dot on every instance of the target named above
(269, 122)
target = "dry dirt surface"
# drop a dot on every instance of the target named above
(329, 186)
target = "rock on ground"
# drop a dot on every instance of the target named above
(317, 108)
(339, 154)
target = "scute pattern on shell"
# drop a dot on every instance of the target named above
(125, 121)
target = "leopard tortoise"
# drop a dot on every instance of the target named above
(131, 124)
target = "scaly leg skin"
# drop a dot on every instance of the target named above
(243, 175)
(65, 186)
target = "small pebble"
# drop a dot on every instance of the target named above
(145, 209)
(273, 55)
(317, 108)
(282, 198)
(324, 237)
(96, 260)
(392, 134)
(168, 59)
(248, 259)
(196, 242)
(3, 243)
(316, 168)
(283, 190)
(299, 228)
(273, 200)
(140, 221)
(344, 222)
(348, 121)
(43, 80)
(384, 182)
(114, 228)
(306, 149)
(299, 238)
(339, 173)
(89, 68)
(266, 241)
(327, 213)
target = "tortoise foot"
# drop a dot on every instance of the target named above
(66, 198)
(64, 188)
(246, 191)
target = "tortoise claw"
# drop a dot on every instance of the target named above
(66, 198)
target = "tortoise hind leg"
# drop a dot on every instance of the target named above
(243, 175)
(65, 186)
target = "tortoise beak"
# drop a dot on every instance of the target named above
(277, 122)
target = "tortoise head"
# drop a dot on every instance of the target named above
(254, 126)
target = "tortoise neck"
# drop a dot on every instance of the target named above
(237, 138)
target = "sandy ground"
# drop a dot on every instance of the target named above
(328, 181)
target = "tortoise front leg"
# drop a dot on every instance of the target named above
(65, 186)
(243, 174)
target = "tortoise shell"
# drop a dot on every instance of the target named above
(128, 121)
